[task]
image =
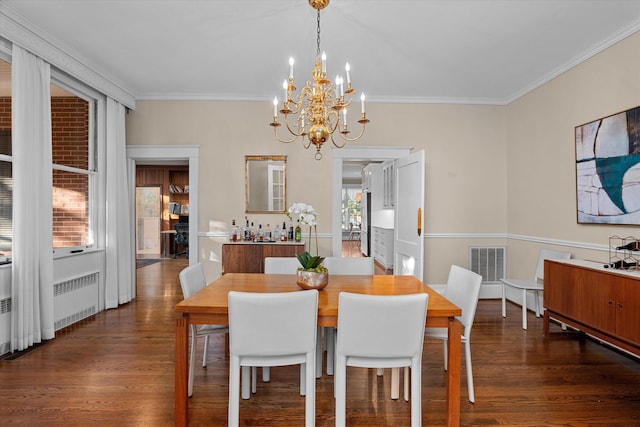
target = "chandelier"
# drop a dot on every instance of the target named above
(320, 110)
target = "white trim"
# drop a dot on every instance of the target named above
(172, 152)
(17, 29)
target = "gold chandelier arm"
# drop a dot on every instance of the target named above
(364, 122)
(333, 141)
(275, 132)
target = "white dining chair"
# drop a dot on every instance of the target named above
(262, 333)
(192, 279)
(281, 265)
(463, 289)
(344, 266)
(275, 265)
(380, 331)
(536, 285)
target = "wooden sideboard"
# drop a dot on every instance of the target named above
(602, 302)
(248, 257)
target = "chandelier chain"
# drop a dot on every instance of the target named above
(319, 112)
(318, 31)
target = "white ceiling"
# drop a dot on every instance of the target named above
(464, 51)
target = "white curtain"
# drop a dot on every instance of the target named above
(120, 271)
(32, 266)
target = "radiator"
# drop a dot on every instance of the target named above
(75, 299)
(489, 262)
(5, 325)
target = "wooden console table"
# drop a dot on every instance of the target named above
(248, 257)
(602, 302)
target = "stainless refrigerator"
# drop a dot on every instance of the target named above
(365, 233)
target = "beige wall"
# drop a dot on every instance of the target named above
(465, 152)
(490, 170)
(541, 195)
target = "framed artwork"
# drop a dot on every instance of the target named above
(608, 169)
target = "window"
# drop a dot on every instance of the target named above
(351, 208)
(6, 180)
(73, 173)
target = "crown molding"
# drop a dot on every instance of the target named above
(17, 29)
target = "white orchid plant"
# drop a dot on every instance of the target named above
(306, 215)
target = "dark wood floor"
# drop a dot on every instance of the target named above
(117, 368)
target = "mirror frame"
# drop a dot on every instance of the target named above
(247, 160)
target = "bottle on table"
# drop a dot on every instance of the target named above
(298, 232)
(260, 233)
(234, 231)
(276, 233)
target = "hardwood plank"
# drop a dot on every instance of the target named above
(117, 368)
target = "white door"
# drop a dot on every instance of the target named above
(409, 218)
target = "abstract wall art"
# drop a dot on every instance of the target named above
(608, 169)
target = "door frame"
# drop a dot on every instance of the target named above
(166, 154)
(354, 154)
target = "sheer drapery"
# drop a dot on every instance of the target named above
(32, 266)
(119, 273)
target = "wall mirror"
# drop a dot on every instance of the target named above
(265, 184)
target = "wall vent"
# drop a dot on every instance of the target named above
(73, 318)
(75, 299)
(489, 262)
(5, 305)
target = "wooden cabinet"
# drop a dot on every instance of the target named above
(248, 257)
(388, 184)
(598, 301)
(382, 246)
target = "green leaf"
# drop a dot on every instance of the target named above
(309, 262)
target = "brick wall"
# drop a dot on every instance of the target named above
(70, 134)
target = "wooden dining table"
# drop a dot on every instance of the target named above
(210, 306)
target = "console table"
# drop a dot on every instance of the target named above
(602, 302)
(248, 257)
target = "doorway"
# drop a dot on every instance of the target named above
(170, 155)
(349, 155)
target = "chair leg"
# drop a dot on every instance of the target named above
(266, 374)
(254, 372)
(536, 294)
(303, 379)
(406, 384)
(233, 413)
(308, 370)
(504, 304)
(446, 353)
(246, 379)
(319, 352)
(467, 355)
(204, 352)
(416, 397)
(524, 309)
(340, 390)
(331, 349)
(395, 383)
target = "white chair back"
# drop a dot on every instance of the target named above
(463, 289)
(351, 266)
(547, 254)
(192, 280)
(272, 324)
(281, 265)
(272, 329)
(380, 331)
(381, 327)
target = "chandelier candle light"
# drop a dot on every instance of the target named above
(320, 109)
